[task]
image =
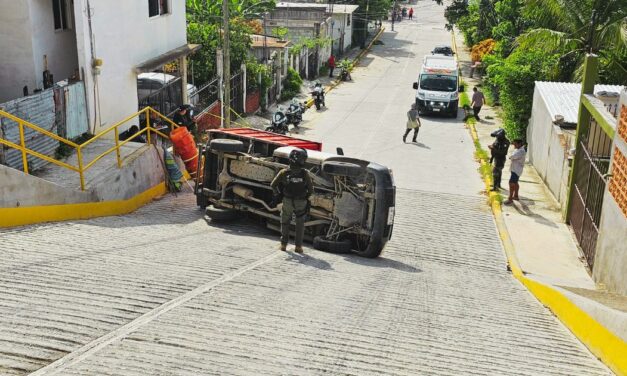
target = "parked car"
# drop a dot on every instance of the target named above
(352, 207)
(153, 82)
(443, 50)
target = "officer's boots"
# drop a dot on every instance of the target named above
(298, 249)
(283, 247)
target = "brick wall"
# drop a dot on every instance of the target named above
(210, 119)
(618, 182)
(252, 102)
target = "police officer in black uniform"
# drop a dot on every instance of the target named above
(294, 184)
(498, 151)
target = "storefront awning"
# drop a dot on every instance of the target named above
(159, 61)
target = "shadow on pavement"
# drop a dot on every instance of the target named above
(308, 260)
(524, 209)
(382, 262)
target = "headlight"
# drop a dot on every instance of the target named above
(455, 96)
(421, 95)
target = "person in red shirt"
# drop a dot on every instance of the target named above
(411, 13)
(331, 65)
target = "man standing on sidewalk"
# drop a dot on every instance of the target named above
(517, 165)
(498, 151)
(331, 65)
(478, 100)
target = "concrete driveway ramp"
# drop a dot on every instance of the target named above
(55, 195)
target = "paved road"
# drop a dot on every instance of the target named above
(163, 292)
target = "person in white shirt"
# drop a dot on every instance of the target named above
(517, 159)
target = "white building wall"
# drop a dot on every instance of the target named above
(341, 28)
(348, 31)
(17, 68)
(124, 36)
(58, 45)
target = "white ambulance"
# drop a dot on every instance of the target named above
(438, 86)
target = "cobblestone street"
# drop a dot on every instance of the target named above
(164, 291)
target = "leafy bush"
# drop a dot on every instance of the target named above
(515, 77)
(291, 87)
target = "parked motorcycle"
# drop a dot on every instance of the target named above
(318, 96)
(279, 122)
(345, 70)
(295, 112)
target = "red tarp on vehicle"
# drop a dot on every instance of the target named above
(271, 138)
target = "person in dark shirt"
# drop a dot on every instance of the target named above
(183, 118)
(295, 185)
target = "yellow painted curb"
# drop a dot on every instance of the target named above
(11, 217)
(336, 82)
(605, 345)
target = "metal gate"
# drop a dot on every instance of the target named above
(237, 93)
(593, 154)
(313, 64)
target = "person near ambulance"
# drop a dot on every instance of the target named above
(295, 185)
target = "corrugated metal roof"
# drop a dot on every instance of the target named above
(562, 98)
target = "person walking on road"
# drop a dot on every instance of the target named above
(331, 63)
(411, 13)
(478, 100)
(294, 184)
(517, 159)
(413, 122)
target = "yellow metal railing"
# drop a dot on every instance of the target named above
(82, 167)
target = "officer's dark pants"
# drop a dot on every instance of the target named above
(298, 208)
(497, 173)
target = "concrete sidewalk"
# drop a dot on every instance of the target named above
(544, 245)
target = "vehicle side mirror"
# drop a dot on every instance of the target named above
(461, 88)
(415, 85)
(339, 151)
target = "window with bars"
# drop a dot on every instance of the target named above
(158, 8)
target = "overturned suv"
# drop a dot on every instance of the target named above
(351, 209)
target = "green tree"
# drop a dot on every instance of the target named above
(204, 26)
(515, 78)
(572, 28)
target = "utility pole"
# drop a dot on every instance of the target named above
(226, 104)
(363, 41)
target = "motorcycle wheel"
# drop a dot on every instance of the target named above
(270, 129)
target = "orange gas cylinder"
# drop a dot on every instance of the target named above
(185, 146)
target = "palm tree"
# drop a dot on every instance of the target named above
(572, 28)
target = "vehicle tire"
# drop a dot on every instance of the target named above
(220, 214)
(332, 246)
(454, 114)
(373, 249)
(342, 169)
(226, 145)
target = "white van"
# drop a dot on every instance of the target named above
(437, 89)
(152, 82)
